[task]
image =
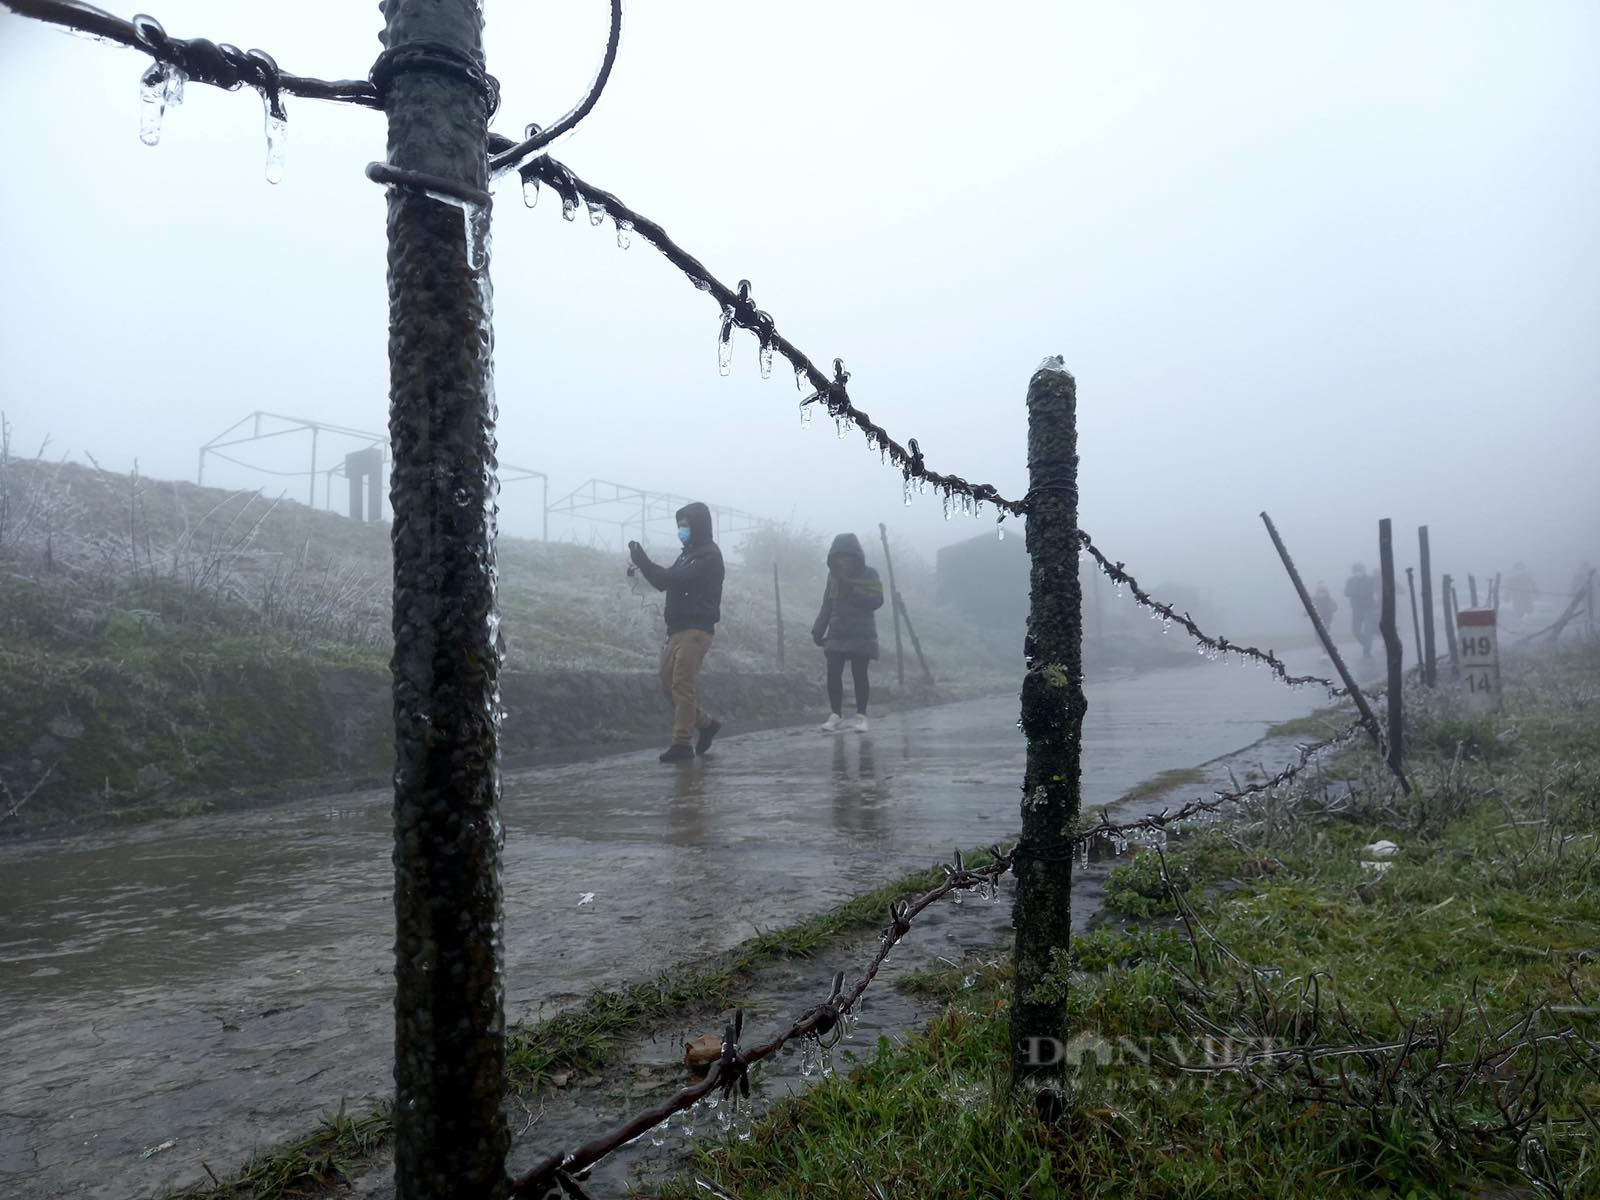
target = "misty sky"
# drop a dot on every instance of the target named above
(1339, 261)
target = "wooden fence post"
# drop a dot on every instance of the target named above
(1357, 697)
(1429, 672)
(1447, 597)
(450, 1133)
(1053, 706)
(1391, 641)
(1416, 624)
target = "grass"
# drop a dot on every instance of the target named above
(1325, 722)
(317, 1163)
(1166, 781)
(1490, 912)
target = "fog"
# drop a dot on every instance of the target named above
(1338, 263)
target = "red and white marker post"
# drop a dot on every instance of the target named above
(1479, 643)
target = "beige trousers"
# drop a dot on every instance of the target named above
(681, 659)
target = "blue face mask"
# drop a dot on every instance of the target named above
(684, 535)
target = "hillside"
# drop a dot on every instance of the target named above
(163, 645)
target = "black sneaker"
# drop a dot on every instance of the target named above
(703, 742)
(676, 753)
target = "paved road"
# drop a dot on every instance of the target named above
(219, 982)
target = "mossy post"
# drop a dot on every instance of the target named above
(1052, 721)
(449, 1048)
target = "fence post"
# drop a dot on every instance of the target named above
(1429, 673)
(894, 603)
(1052, 721)
(1391, 641)
(777, 602)
(1472, 588)
(1357, 696)
(449, 1057)
(1447, 598)
(1416, 624)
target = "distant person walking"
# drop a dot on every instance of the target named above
(846, 629)
(1361, 590)
(1322, 600)
(693, 584)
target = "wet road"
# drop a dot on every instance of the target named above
(219, 982)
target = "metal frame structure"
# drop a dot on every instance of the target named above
(291, 425)
(603, 502)
(508, 472)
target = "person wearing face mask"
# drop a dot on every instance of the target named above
(846, 629)
(693, 584)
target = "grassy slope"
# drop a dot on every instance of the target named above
(160, 640)
(1490, 912)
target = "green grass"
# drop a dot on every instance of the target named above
(316, 1164)
(1166, 781)
(1490, 911)
(1325, 722)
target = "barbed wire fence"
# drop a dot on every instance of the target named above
(441, 54)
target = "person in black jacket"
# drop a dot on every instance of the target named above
(846, 629)
(693, 584)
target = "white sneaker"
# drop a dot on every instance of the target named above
(858, 723)
(834, 724)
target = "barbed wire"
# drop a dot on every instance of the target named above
(1216, 646)
(515, 157)
(201, 60)
(729, 1074)
(739, 311)
(1118, 833)
(828, 390)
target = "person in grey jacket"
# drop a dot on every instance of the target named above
(846, 629)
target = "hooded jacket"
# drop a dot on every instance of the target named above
(845, 625)
(693, 583)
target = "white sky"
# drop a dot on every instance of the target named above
(1336, 260)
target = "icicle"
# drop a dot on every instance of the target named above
(947, 506)
(474, 225)
(569, 208)
(840, 428)
(725, 341)
(277, 126)
(764, 357)
(1000, 528)
(597, 211)
(624, 228)
(530, 180)
(805, 415)
(160, 88)
(800, 379)
(906, 490)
